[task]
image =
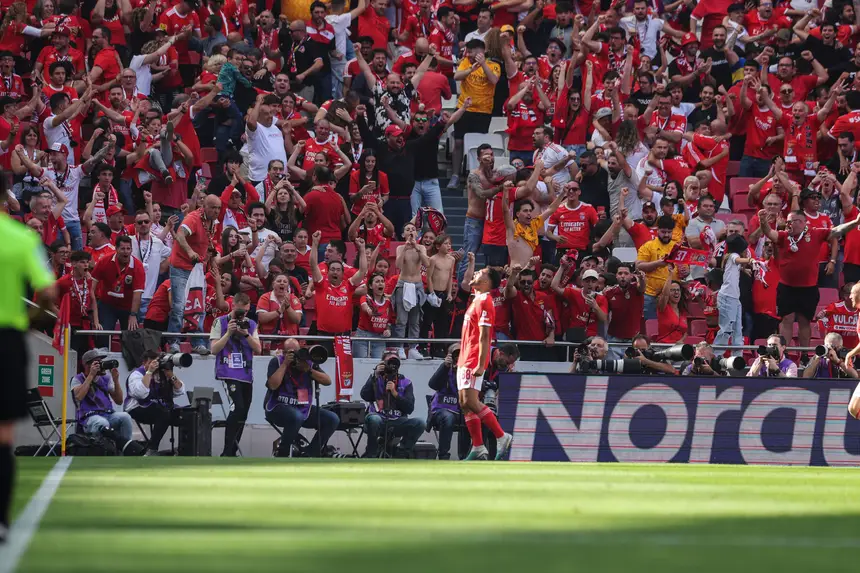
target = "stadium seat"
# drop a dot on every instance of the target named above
(209, 155)
(827, 296)
(698, 328)
(729, 217)
(499, 126)
(471, 142)
(694, 340)
(740, 185)
(733, 168)
(350, 254)
(206, 171)
(651, 328)
(740, 202)
(695, 310)
(310, 304)
(625, 254)
(449, 104)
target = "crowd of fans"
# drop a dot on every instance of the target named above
(158, 147)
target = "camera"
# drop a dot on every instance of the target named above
(241, 321)
(455, 356)
(768, 351)
(180, 359)
(822, 350)
(721, 364)
(315, 354)
(392, 365)
(674, 353)
(625, 366)
(107, 365)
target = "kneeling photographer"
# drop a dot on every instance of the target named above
(771, 361)
(289, 397)
(829, 360)
(95, 392)
(391, 401)
(706, 363)
(592, 349)
(445, 405)
(655, 362)
(150, 390)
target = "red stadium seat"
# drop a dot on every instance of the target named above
(698, 328)
(350, 254)
(733, 168)
(209, 155)
(827, 296)
(694, 340)
(740, 185)
(729, 217)
(206, 171)
(651, 328)
(310, 304)
(303, 331)
(695, 310)
(740, 203)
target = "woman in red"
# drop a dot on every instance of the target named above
(671, 312)
(572, 116)
(113, 15)
(231, 252)
(367, 183)
(14, 28)
(279, 311)
(377, 318)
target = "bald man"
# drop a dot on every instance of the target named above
(193, 239)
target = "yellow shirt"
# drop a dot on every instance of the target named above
(477, 87)
(22, 258)
(680, 227)
(652, 251)
(529, 234)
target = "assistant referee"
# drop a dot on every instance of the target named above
(23, 264)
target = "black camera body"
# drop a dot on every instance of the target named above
(822, 350)
(241, 320)
(316, 355)
(676, 353)
(392, 368)
(108, 365)
(768, 352)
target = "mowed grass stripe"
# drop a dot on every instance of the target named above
(356, 516)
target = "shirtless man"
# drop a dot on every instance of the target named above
(410, 258)
(479, 188)
(524, 229)
(440, 283)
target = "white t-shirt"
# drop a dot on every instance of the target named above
(552, 154)
(340, 23)
(60, 134)
(264, 145)
(144, 74)
(476, 35)
(271, 251)
(137, 390)
(68, 184)
(731, 277)
(151, 253)
(648, 30)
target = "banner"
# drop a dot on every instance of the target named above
(344, 372)
(687, 256)
(616, 418)
(59, 343)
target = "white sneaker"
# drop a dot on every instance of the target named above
(401, 354)
(476, 453)
(414, 354)
(454, 182)
(503, 446)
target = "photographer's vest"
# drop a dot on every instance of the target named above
(294, 391)
(380, 396)
(97, 401)
(447, 398)
(155, 396)
(235, 359)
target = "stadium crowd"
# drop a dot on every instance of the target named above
(677, 170)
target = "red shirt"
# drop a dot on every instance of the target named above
(676, 123)
(762, 126)
(98, 254)
(581, 315)
(800, 269)
(522, 121)
(570, 129)
(801, 145)
(852, 240)
(840, 319)
(173, 22)
(199, 239)
(626, 306)
(670, 327)
(80, 298)
(107, 60)
(383, 317)
(49, 55)
(821, 221)
(323, 213)
(574, 225)
(159, 306)
(494, 219)
(641, 234)
(51, 229)
(375, 26)
(117, 285)
(13, 38)
(502, 322)
(530, 316)
(848, 122)
(480, 313)
(378, 193)
(755, 25)
(444, 42)
(284, 327)
(764, 297)
(434, 87)
(710, 147)
(334, 305)
(418, 27)
(312, 147)
(802, 85)
(12, 86)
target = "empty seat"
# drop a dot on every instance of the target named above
(471, 142)
(625, 254)
(209, 155)
(733, 168)
(741, 185)
(651, 328)
(827, 296)
(698, 328)
(729, 217)
(740, 202)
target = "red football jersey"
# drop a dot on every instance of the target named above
(383, 317)
(480, 313)
(494, 220)
(800, 268)
(334, 305)
(581, 315)
(117, 285)
(626, 306)
(842, 320)
(572, 224)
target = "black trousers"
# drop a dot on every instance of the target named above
(158, 417)
(240, 398)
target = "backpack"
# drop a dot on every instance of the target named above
(84, 445)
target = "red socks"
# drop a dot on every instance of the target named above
(473, 424)
(489, 419)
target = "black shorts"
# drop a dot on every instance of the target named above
(472, 122)
(797, 300)
(13, 376)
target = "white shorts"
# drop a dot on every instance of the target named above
(465, 379)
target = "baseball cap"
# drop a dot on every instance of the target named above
(809, 193)
(62, 30)
(59, 147)
(114, 209)
(94, 354)
(393, 130)
(689, 38)
(590, 274)
(649, 205)
(784, 35)
(162, 28)
(603, 112)
(507, 28)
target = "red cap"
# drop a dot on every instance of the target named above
(689, 38)
(393, 130)
(62, 30)
(114, 209)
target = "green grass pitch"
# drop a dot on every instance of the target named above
(247, 515)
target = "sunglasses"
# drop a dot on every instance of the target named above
(786, 91)
(421, 120)
(142, 222)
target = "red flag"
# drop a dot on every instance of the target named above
(60, 327)
(344, 374)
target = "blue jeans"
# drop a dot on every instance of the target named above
(119, 422)
(443, 420)
(366, 348)
(109, 315)
(144, 306)
(233, 131)
(291, 420)
(754, 167)
(178, 282)
(410, 429)
(650, 310)
(426, 194)
(526, 156)
(126, 196)
(578, 148)
(731, 322)
(473, 230)
(617, 353)
(74, 229)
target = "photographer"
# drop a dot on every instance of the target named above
(830, 364)
(772, 362)
(93, 391)
(594, 348)
(234, 342)
(639, 350)
(150, 392)
(701, 364)
(391, 401)
(445, 405)
(289, 396)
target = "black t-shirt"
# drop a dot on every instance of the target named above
(299, 274)
(284, 228)
(641, 100)
(595, 189)
(721, 70)
(691, 93)
(700, 114)
(827, 56)
(305, 55)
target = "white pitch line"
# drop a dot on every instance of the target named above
(25, 526)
